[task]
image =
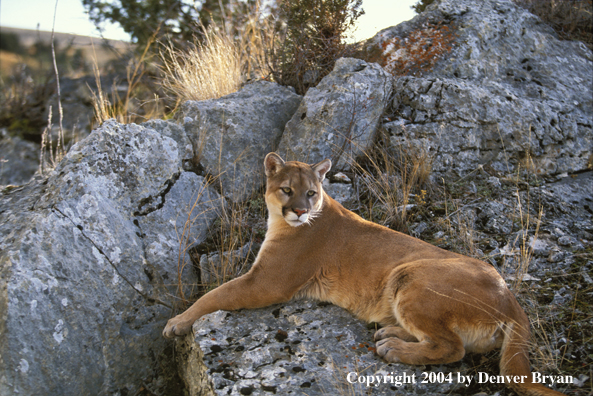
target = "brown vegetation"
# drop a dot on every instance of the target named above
(572, 19)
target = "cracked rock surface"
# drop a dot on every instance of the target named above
(509, 94)
(108, 222)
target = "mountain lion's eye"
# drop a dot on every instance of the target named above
(286, 190)
(311, 193)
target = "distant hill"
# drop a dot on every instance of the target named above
(28, 37)
(103, 51)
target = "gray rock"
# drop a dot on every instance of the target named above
(494, 182)
(175, 132)
(574, 191)
(567, 240)
(539, 246)
(509, 94)
(215, 267)
(302, 347)
(19, 159)
(89, 263)
(341, 192)
(556, 256)
(418, 229)
(339, 117)
(495, 219)
(232, 135)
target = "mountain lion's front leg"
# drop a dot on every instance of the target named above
(252, 290)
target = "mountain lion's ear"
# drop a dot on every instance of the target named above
(273, 163)
(322, 168)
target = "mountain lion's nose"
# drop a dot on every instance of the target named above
(299, 212)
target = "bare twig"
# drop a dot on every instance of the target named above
(60, 147)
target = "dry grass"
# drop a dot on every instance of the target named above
(460, 225)
(392, 181)
(254, 32)
(21, 98)
(233, 244)
(226, 55)
(129, 108)
(187, 240)
(209, 70)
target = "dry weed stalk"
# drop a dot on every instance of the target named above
(543, 323)
(465, 234)
(186, 239)
(60, 149)
(122, 109)
(526, 246)
(55, 155)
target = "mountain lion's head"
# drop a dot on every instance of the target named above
(294, 189)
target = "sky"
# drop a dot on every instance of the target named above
(71, 17)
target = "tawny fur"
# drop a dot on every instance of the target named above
(436, 305)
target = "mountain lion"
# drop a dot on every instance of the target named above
(434, 305)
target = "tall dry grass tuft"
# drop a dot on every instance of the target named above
(208, 70)
(59, 151)
(234, 244)
(223, 58)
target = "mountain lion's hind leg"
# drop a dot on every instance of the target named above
(394, 331)
(428, 351)
(424, 334)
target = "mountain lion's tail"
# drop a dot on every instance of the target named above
(514, 359)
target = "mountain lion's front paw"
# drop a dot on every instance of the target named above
(177, 326)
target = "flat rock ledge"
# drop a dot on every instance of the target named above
(298, 348)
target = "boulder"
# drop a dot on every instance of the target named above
(92, 261)
(503, 90)
(338, 118)
(232, 135)
(301, 348)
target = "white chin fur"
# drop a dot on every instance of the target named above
(294, 221)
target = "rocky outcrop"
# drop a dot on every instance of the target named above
(339, 117)
(301, 348)
(232, 135)
(19, 159)
(503, 91)
(93, 261)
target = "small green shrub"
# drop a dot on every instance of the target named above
(312, 39)
(10, 42)
(421, 5)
